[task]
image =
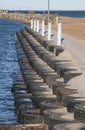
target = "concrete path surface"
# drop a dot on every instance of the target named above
(74, 46)
(77, 49)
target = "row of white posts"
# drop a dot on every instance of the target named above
(35, 27)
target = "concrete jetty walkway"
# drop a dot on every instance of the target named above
(74, 51)
(76, 48)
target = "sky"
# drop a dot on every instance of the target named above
(42, 4)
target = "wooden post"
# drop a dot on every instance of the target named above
(34, 25)
(31, 24)
(49, 31)
(37, 25)
(59, 35)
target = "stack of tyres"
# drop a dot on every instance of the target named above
(79, 112)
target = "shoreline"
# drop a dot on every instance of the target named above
(71, 26)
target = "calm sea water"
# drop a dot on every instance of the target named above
(8, 67)
(80, 14)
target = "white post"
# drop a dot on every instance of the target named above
(59, 35)
(57, 20)
(43, 28)
(34, 25)
(49, 31)
(37, 25)
(31, 24)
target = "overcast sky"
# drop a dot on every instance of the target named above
(42, 4)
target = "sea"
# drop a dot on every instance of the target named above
(74, 13)
(8, 68)
(9, 62)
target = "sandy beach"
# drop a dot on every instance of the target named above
(73, 26)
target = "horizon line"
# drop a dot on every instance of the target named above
(40, 10)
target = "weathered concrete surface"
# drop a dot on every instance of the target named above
(77, 49)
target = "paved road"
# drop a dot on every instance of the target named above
(76, 48)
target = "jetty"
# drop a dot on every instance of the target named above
(50, 93)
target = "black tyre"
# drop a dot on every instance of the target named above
(38, 99)
(79, 112)
(26, 118)
(55, 119)
(70, 126)
(48, 112)
(49, 104)
(71, 105)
